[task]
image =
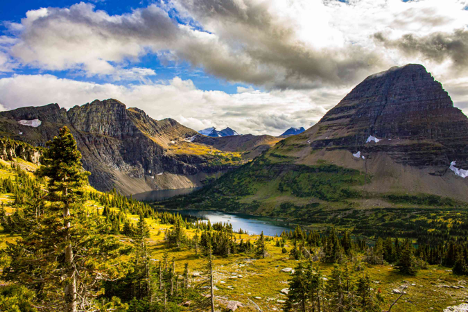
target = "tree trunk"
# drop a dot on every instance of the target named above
(149, 290)
(70, 285)
(211, 281)
(173, 277)
(160, 276)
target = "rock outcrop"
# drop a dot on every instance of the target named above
(11, 149)
(122, 147)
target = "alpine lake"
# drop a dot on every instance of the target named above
(248, 223)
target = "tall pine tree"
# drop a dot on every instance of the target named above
(62, 256)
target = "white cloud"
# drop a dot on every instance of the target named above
(306, 54)
(274, 43)
(251, 111)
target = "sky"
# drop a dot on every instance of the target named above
(257, 66)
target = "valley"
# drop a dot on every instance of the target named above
(349, 213)
(254, 284)
(234, 155)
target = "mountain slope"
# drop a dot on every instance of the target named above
(391, 142)
(251, 145)
(122, 148)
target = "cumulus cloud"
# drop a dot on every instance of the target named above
(251, 111)
(304, 54)
(298, 44)
(436, 47)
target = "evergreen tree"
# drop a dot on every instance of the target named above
(367, 299)
(337, 290)
(406, 262)
(389, 250)
(298, 290)
(315, 280)
(460, 266)
(62, 256)
(260, 248)
(141, 276)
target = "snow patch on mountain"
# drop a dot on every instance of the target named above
(372, 138)
(358, 155)
(190, 139)
(459, 172)
(30, 123)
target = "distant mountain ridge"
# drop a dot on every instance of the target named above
(212, 132)
(293, 131)
(251, 145)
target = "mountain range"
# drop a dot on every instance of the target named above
(212, 132)
(396, 134)
(124, 148)
(395, 140)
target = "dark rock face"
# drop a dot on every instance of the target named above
(411, 114)
(227, 132)
(122, 148)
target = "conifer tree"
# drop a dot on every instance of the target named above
(315, 280)
(261, 250)
(141, 277)
(62, 256)
(336, 290)
(298, 290)
(367, 300)
(460, 266)
(389, 250)
(406, 262)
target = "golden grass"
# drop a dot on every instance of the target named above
(190, 148)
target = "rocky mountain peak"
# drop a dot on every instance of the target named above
(122, 148)
(108, 117)
(212, 132)
(404, 104)
(50, 112)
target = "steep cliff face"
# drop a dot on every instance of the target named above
(394, 137)
(122, 148)
(407, 111)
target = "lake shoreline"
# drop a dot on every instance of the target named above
(251, 223)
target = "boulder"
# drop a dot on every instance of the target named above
(233, 305)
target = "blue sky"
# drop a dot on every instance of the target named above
(257, 66)
(14, 11)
